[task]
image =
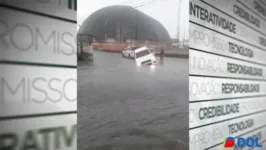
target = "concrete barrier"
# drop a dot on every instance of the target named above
(113, 47)
(119, 47)
(174, 54)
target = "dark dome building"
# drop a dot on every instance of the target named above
(122, 23)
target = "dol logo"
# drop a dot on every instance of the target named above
(240, 142)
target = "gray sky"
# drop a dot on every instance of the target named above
(164, 11)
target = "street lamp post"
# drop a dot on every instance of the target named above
(178, 21)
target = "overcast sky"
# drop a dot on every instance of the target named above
(164, 11)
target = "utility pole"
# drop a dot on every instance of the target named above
(178, 19)
(120, 34)
(136, 25)
(131, 33)
(105, 27)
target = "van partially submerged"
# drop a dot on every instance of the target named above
(144, 56)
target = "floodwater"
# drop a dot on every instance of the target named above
(125, 107)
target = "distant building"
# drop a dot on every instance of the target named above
(124, 24)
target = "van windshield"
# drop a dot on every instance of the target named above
(142, 53)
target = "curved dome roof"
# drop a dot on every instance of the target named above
(123, 22)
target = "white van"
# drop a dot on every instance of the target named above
(143, 56)
(129, 52)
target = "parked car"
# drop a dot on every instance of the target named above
(144, 56)
(129, 52)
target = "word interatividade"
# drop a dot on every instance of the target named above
(211, 17)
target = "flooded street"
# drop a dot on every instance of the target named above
(125, 107)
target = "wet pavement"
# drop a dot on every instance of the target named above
(125, 107)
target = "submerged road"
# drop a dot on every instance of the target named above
(123, 107)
